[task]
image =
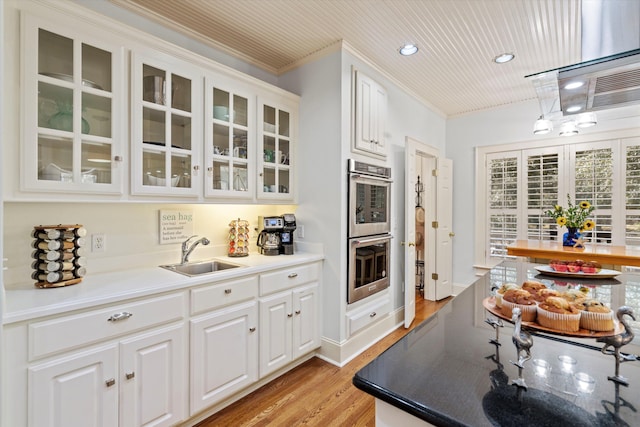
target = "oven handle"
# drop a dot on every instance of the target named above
(372, 239)
(376, 178)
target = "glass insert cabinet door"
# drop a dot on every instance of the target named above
(229, 141)
(73, 99)
(276, 151)
(166, 127)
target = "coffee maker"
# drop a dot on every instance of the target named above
(276, 236)
(286, 235)
(269, 237)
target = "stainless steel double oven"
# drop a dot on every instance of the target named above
(369, 237)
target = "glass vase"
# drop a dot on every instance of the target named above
(571, 236)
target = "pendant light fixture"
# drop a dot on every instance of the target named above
(586, 120)
(568, 128)
(542, 126)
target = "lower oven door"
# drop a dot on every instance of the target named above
(368, 266)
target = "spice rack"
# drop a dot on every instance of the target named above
(238, 238)
(57, 256)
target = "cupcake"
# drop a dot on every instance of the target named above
(504, 288)
(596, 316)
(519, 298)
(575, 296)
(575, 266)
(558, 265)
(590, 267)
(558, 314)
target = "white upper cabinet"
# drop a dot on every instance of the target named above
(229, 139)
(166, 125)
(72, 118)
(277, 138)
(370, 105)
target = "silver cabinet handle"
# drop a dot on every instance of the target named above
(290, 315)
(110, 382)
(297, 311)
(252, 329)
(292, 275)
(373, 314)
(119, 316)
(227, 291)
(129, 375)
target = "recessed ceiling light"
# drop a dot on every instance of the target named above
(505, 57)
(573, 85)
(574, 108)
(408, 49)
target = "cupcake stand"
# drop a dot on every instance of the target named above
(522, 338)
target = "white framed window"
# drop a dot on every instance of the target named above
(517, 183)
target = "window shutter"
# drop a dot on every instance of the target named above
(594, 183)
(632, 196)
(542, 194)
(503, 204)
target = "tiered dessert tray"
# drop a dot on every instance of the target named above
(490, 305)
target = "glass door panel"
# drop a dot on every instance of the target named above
(153, 85)
(240, 178)
(181, 170)
(55, 159)
(96, 68)
(96, 162)
(153, 126)
(180, 93)
(277, 152)
(96, 115)
(240, 144)
(269, 179)
(283, 123)
(55, 107)
(154, 168)
(269, 118)
(180, 132)
(240, 110)
(283, 152)
(283, 181)
(55, 55)
(269, 149)
(220, 175)
(220, 105)
(220, 140)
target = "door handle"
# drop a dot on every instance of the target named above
(451, 234)
(408, 244)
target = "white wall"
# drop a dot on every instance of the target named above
(505, 125)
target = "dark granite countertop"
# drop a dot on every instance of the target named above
(446, 372)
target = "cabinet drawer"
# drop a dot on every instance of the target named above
(51, 336)
(368, 315)
(288, 278)
(224, 293)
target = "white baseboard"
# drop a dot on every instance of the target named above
(340, 354)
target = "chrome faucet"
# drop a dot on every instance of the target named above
(186, 249)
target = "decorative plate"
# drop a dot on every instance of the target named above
(602, 274)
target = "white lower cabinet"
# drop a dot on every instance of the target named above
(288, 326)
(224, 354)
(90, 388)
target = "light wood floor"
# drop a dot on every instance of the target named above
(315, 393)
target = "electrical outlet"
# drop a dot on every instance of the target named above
(300, 231)
(98, 242)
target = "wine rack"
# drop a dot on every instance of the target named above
(58, 259)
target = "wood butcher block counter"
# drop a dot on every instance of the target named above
(604, 254)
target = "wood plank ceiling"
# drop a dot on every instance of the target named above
(458, 39)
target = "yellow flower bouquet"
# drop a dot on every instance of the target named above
(574, 217)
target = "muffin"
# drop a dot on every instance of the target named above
(533, 287)
(504, 288)
(559, 314)
(596, 316)
(542, 294)
(575, 296)
(519, 298)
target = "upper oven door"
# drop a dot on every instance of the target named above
(369, 205)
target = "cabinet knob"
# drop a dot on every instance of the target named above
(227, 291)
(452, 234)
(117, 158)
(110, 382)
(292, 275)
(252, 329)
(297, 311)
(290, 315)
(119, 316)
(373, 314)
(129, 375)
(196, 168)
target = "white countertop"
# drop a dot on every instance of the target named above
(26, 302)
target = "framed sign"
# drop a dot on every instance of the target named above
(175, 226)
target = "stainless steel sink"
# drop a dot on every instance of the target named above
(198, 268)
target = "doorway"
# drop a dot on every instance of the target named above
(428, 235)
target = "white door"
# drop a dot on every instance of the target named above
(410, 232)
(443, 233)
